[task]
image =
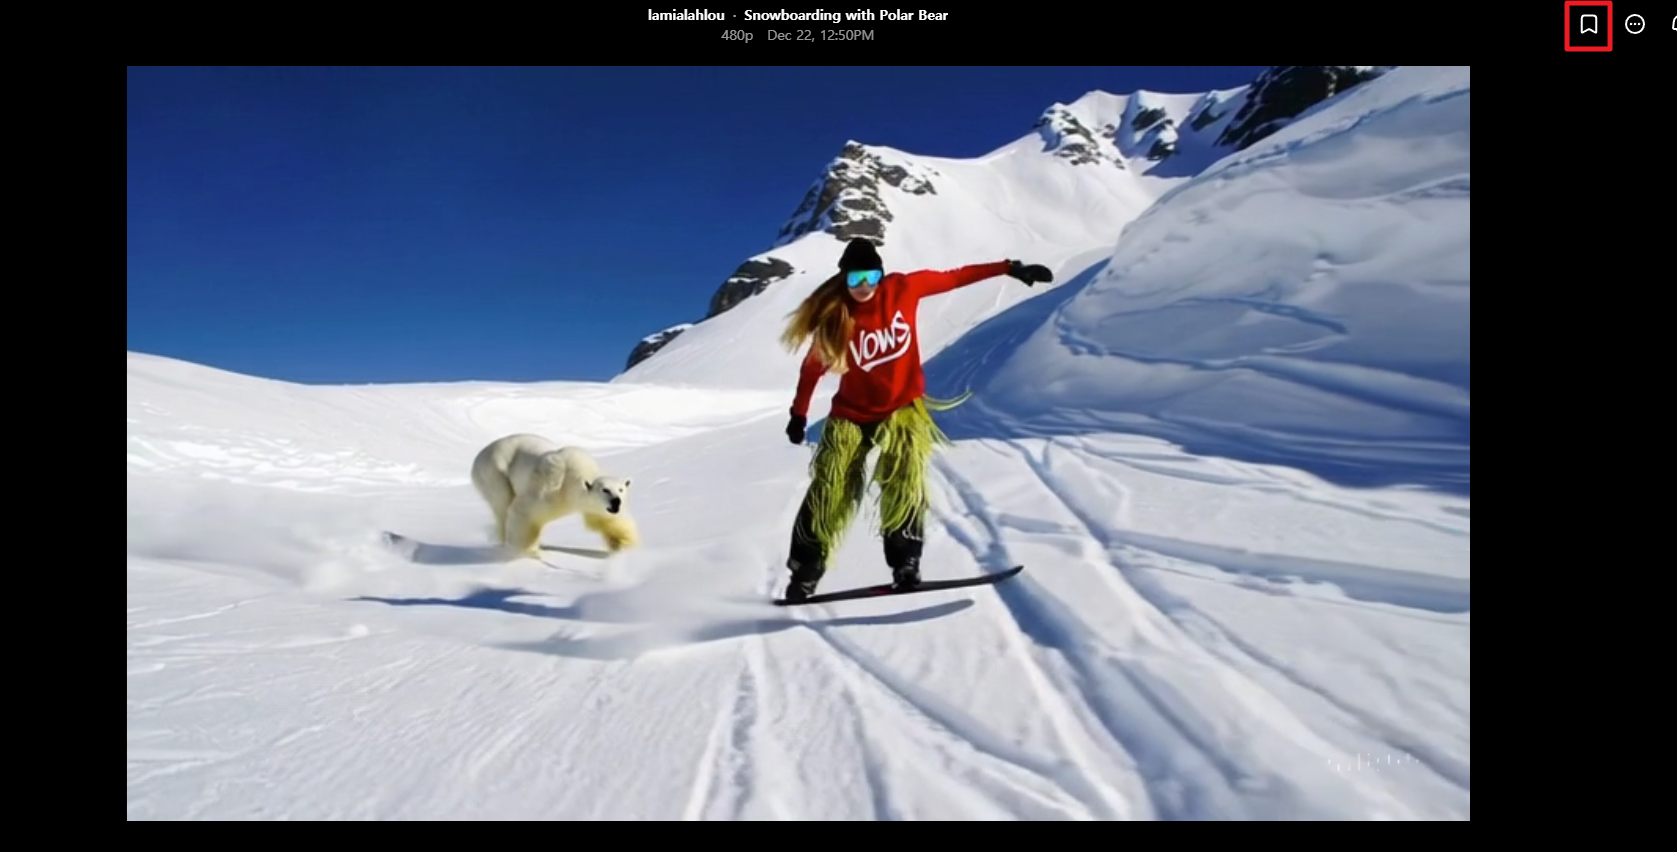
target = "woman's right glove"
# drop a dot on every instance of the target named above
(795, 429)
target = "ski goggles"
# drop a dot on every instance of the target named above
(864, 278)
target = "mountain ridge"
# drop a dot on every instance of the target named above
(1145, 134)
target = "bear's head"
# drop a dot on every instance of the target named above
(610, 492)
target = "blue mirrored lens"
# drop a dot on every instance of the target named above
(865, 277)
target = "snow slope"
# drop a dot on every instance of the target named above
(1196, 636)
(1305, 302)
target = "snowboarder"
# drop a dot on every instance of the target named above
(862, 324)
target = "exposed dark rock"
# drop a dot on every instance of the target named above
(1065, 136)
(1284, 91)
(1147, 118)
(1205, 117)
(846, 203)
(752, 277)
(654, 342)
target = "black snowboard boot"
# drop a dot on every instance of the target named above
(805, 577)
(906, 573)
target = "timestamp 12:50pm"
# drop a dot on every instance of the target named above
(799, 35)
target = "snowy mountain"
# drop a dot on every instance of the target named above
(1304, 303)
(1103, 157)
(1230, 444)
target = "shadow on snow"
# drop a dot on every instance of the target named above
(685, 631)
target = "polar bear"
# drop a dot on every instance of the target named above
(529, 482)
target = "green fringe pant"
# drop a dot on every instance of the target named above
(839, 480)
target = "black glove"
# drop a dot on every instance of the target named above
(1030, 274)
(795, 429)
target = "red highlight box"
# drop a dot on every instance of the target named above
(1607, 26)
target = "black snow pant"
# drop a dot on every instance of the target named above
(839, 481)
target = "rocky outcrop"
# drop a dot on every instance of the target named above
(1206, 114)
(654, 342)
(1067, 137)
(752, 277)
(1154, 131)
(846, 201)
(1283, 91)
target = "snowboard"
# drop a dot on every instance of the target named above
(887, 590)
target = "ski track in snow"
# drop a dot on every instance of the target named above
(1133, 702)
(1188, 757)
(1149, 709)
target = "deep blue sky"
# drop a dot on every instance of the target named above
(349, 225)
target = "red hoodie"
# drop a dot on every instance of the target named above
(884, 358)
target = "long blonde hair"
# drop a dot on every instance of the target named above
(825, 317)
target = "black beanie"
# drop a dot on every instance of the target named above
(860, 254)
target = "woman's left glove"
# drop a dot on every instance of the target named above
(1030, 274)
